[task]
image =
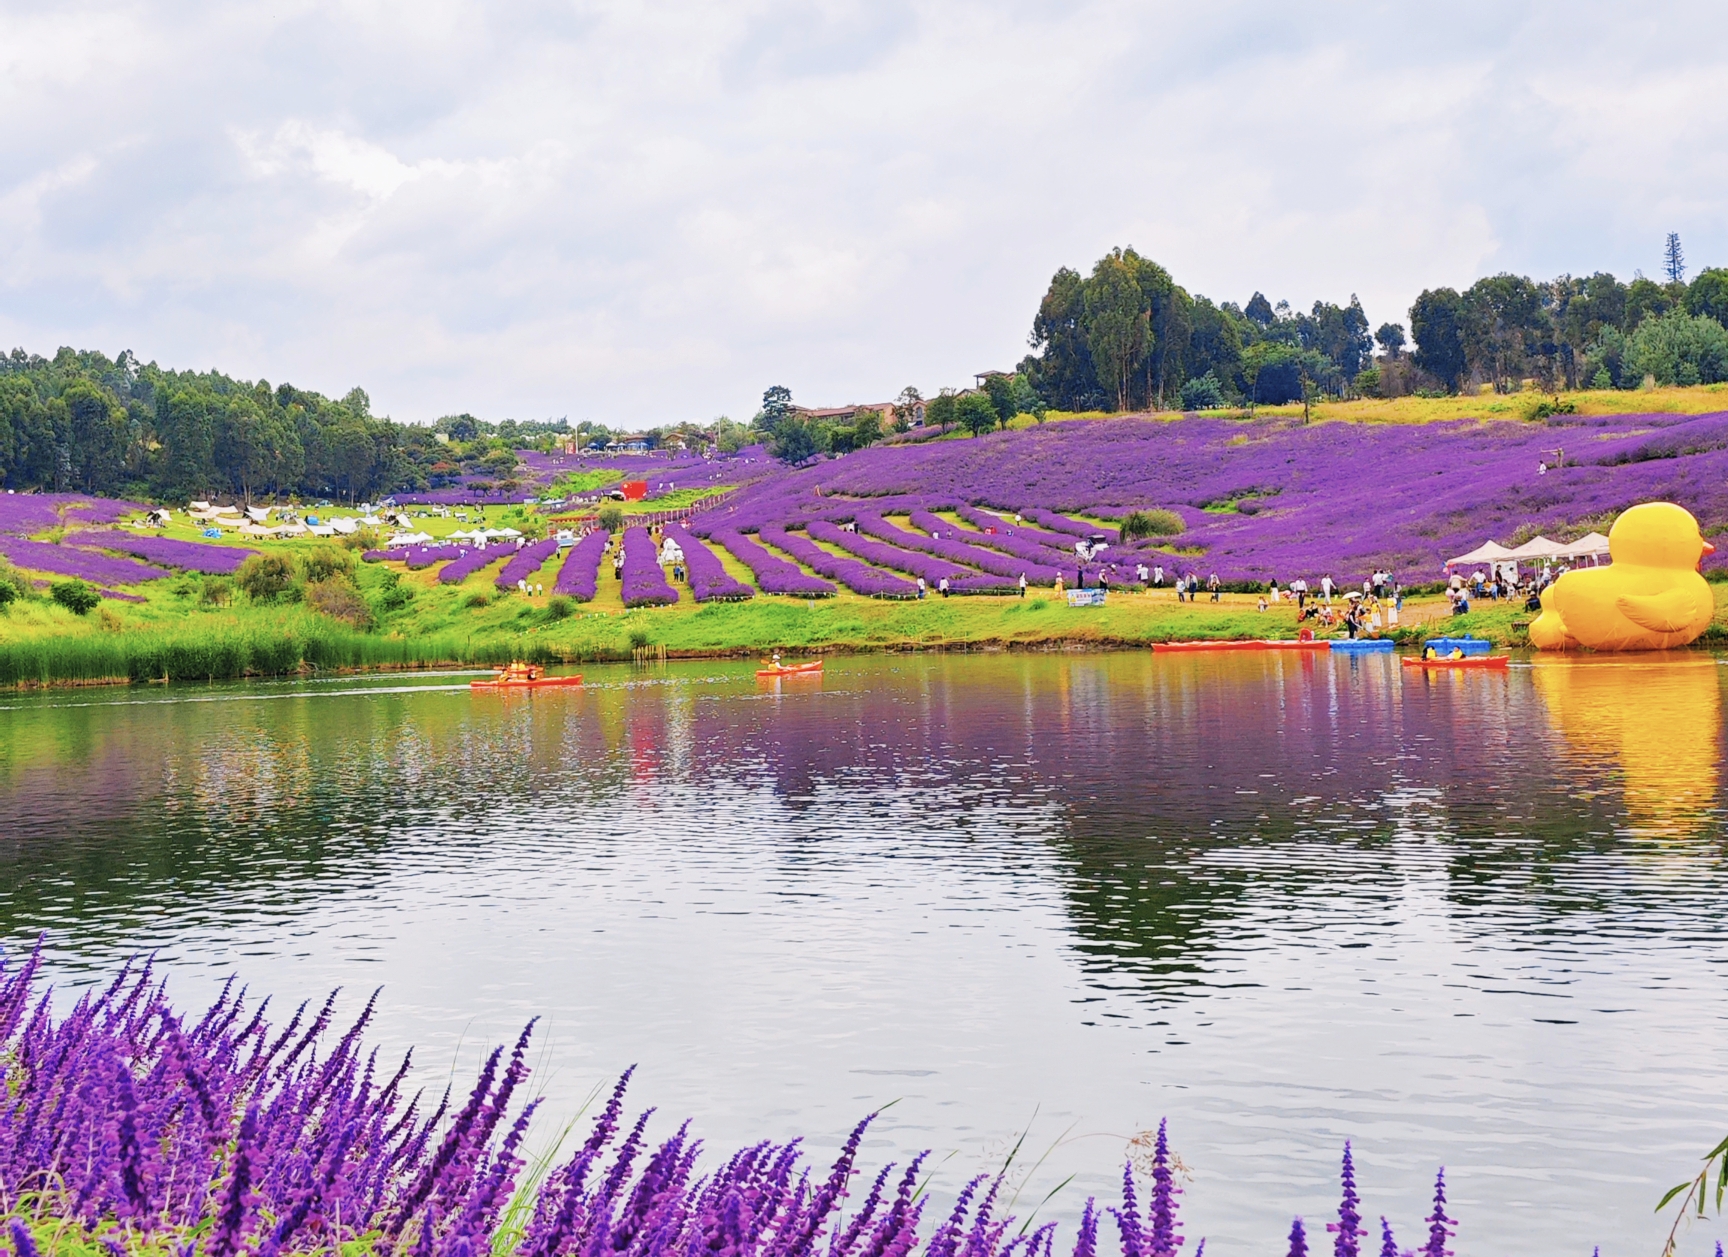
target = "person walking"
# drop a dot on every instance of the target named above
(1326, 588)
(943, 586)
(920, 587)
(1213, 585)
(1022, 584)
(1158, 575)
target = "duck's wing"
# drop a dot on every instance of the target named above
(1660, 613)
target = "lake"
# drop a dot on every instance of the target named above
(1033, 899)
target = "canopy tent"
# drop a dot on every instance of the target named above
(409, 539)
(1590, 545)
(1539, 548)
(1487, 552)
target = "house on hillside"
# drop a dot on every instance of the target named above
(885, 410)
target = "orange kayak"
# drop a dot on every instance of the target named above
(1468, 661)
(791, 669)
(1256, 644)
(525, 683)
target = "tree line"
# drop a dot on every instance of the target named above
(1128, 337)
(80, 422)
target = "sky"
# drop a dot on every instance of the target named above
(646, 212)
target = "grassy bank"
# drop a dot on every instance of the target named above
(156, 640)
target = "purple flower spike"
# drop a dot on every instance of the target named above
(23, 1243)
(1440, 1227)
(1388, 1245)
(1164, 1240)
(1349, 1224)
(1298, 1240)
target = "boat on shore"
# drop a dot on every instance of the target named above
(1259, 643)
(524, 676)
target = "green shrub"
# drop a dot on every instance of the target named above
(1154, 523)
(558, 607)
(611, 517)
(323, 562)
(1203, 394)
(477, 600)
(263, 577)
(218, 591)
(75, 595)
(338, 599)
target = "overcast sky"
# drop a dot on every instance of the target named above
(649, 212)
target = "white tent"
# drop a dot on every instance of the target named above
(408, 539)
(1590, 545)
(345, 525)
(1539, 548)
(321, 530)
(1487, 552)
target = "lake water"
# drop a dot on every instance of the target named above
(1462, 919)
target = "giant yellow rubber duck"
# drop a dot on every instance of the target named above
(1650, 598)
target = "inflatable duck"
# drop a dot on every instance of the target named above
(1650, 598)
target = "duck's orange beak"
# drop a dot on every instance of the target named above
(1709, 549)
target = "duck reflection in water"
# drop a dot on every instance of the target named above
(1657, 717)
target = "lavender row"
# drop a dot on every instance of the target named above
(24, 513)
(144, 1126)
(962, 546)
(189, 556)
(468, 562)
(773, 574)
(932, 570)
(579, 574)
(1073, 527)
(644, 583)
(526, 562)
(709, 580)
(99, 569)
(860, 578)
(1024, 533)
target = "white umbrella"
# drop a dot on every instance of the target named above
(1487, 552)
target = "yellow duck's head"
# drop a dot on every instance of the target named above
(1658, 534)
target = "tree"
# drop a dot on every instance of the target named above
(75, 595)
(1436, 325)
(264, 577)
(1391, 338)
(1259, 310)
(908, 408)
(975, 412)
(1202, 394)
(1674, 259)
(1678, 348)
(1000, 390)
(1502, 317)
(1115, 325)
(1061, 368)
(1644, 297)
(1708, 294)
(940, 410)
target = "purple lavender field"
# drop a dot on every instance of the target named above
(1271, 498)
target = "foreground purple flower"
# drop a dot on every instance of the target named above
(526, 562)
(98, 569)
(217, 1134)
(471, 560)
(773, 574)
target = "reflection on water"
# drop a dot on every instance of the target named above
(1652, 723)
(1284, 901)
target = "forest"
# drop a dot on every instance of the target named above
(120, 428)
(1128, 337)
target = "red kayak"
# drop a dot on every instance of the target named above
(1262, 643)
(791, 669)
(1467, 661)
(522, 676)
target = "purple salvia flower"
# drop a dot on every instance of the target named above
(23, 1243)
(1086, 1242)
(237, 1202)
(1388, 1245)
(1349, 1224)
(1164, 1239)
(1128, 1221)
(1298, 1240)
(131, 1149)
(1439, 1225)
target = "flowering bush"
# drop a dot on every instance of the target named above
(526, 562)
(644, 583)
(189, 556)
(933, 570)
(962, 546)
(709, 580)
(773, 574)
(218, 1135)
(578, 575)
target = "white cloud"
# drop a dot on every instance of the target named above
(651, 211)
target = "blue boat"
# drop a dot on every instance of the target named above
(1363, 645)
(1465, 646)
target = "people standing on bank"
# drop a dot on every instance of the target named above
(1326, 588)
